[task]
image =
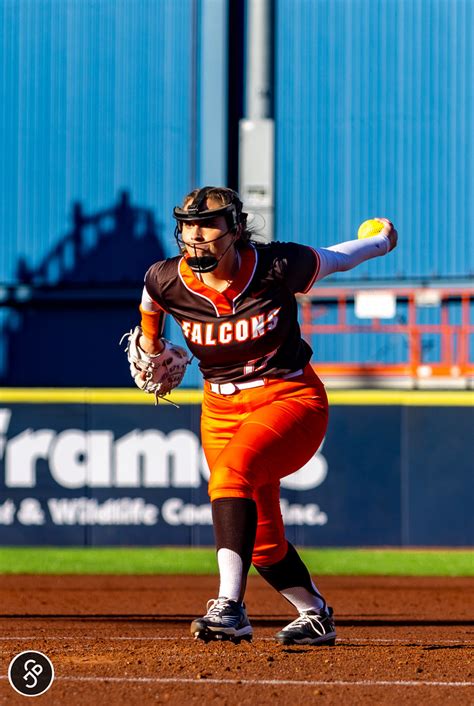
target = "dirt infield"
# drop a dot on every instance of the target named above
(125, 640)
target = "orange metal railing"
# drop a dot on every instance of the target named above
(455, 360)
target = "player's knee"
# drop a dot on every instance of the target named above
(228, 482)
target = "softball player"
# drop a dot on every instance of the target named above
(265, 411)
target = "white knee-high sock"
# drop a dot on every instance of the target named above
(230, 570)
(291, 578)
(235, 526)
(302, 599)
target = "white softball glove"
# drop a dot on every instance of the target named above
(163, 371)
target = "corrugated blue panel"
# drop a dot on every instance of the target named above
(96, 97)
(374, 105)
(212, 91)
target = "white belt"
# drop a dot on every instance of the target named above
(229, 388)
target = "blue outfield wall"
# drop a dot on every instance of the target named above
(85, 467)
(373, 115)
(100, 97)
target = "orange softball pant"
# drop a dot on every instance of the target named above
(253, 438)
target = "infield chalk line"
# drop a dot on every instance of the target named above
(340, 641)
(266, 682)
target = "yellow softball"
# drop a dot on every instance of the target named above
(369, 228)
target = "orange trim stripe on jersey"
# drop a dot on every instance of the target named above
(223, 302)
(316, 272)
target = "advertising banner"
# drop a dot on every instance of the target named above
(128, 474)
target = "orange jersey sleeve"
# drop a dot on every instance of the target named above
(152, 317)
(152, 323)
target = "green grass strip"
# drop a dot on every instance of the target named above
(200, 561)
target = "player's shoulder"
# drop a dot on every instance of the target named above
(284, 261)
(163, 270)
(280, 250)
(276, 246)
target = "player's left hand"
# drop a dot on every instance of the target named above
(156, 373)
(389, 231)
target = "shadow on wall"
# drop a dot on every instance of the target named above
(64, 329)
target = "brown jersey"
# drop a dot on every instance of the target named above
(250, 329)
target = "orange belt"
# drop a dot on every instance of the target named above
(230, 388)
